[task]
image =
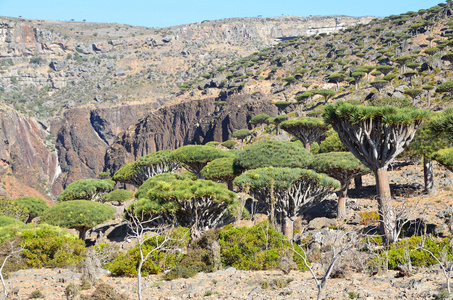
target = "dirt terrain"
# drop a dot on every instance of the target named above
(424, 283)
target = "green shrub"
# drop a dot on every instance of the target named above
(314, 149)
(12, 209)
(254, 248)
(230, 144)
(45, 247)
(36, 295)
(119, 196)
(5, 221)
(181, 272)
(418, 257)
(200, 255)
(105, 292)
(127, 263)
(35, 206)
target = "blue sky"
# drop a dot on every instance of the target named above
(161, 13)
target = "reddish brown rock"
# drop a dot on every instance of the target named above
(194, 122)
(23, 150)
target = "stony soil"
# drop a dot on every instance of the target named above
(424, 283)
(236, 284)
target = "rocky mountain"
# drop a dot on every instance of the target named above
(26, 151)
(85, 83)
(48, 67)
(193, 122)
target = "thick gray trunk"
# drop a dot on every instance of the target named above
(428, 175)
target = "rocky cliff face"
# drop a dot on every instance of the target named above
(89, 82)
(194, 122)
(83, 135)
(24, 150)
(54, 66)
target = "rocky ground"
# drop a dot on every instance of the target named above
(424, 283)
(237, 284)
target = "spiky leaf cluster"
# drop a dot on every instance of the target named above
(35, 206)
(340, 165)
(274, 153)
(198, 204)
(195, 157)
(137, 172)
(119, 196)
(241, 134)
(150, 182)
(306, 129)
(259, 119)
(221, 169)
(446, 87)
(78, 214)
(444, 157)
(388, 115)
(86, 189)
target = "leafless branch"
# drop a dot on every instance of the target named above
(11, 252)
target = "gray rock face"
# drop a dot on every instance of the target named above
(193, 122)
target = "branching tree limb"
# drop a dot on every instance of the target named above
(13, 251)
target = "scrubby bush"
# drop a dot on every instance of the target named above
(86, 189)
(418, 257)
(12, 209)
(5, 221)
(254, 248)
(36, 206)
(127, 263)
(45, 247)
(119, 196)
(105, 292)
(201, 253)
(273, 153)
(230, 144)
(331, 143)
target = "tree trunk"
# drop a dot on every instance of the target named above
(288, 226)
(358, 182)
(82, 232)
(139, 279)
(307, 146)
(385, 206)
(341, 206)
(428, 175)
(230, 185)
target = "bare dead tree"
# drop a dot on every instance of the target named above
(444, 262)
(404, 214)
(142, 233)
(13, 251)
(344, 242)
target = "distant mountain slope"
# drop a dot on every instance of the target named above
(48, 67)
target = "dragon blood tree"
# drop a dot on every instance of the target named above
(147, 166)
(195, 157)
(307, 129)
(273, 153)
(86, 189)
(80, 215)
(286, 191)
(197, 204)
(222, 169)
(376, 135)
(342, 166)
